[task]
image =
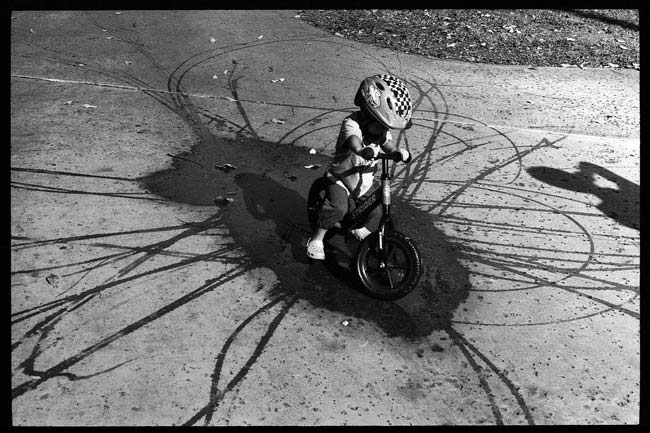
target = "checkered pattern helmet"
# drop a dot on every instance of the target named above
(387, 99)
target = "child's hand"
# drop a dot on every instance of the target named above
(369, 152)
(402, 155)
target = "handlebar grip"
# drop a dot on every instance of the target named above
(390, 156)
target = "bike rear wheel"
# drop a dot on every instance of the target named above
(401, 268)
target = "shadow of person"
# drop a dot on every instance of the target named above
(621, 203)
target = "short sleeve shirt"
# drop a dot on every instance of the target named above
(355, 172)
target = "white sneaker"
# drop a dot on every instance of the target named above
(360, 233)
(315, 250)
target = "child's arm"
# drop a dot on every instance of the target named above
(355, 145)
(390, 147)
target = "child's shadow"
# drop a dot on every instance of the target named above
(273, 228)
(620, 204)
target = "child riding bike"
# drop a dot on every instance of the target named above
(385, 103)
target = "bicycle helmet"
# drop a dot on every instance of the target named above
(387, 99)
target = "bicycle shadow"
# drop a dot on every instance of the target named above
(622, 204)
(274, 206)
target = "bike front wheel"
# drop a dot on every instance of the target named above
(391, 273)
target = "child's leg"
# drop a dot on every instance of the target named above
(319, 234)
(371, 224)
(333, 210)
(334, 207)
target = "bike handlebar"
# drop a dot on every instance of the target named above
(395, 156)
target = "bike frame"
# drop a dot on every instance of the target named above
(383, 251)
(381, 196)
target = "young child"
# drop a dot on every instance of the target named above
(385, 103)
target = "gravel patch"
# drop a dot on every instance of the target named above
(537, 37)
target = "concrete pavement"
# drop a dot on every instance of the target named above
(136, 300)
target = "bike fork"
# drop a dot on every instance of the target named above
(381, 254)
(385, 205)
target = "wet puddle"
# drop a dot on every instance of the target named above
(267, 218)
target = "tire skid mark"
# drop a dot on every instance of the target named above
(511, 208)
(112, 258)
(212, 117)
(182, 106)
(86, 271)
(150, 250)
(459, 341)
(84, 296)
(568, 274)
(69, 304)
(58, 190)
(178, 74)
(216, 395)
(151, 91)
(418, 165)
(424, 168)
(153, 249)
(313, 131)
(102, 260)
(232, 85)
(136, 84)
(464, 345)
(608, 304)
(452, 197)
(22, 315)
(101, 235)
(69, 173)
(423, 172)
(530, 262)
(130, 251)
(541, 323)
(306, 122)
(60, 368)
(51, 321)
